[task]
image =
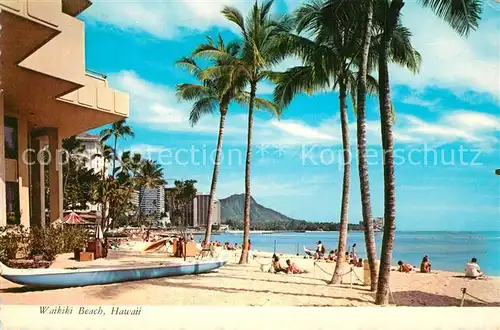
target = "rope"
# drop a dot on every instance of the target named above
(260, 263)
(330, 274)
(324, 271)
(464, 292)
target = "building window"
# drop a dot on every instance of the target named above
(12, 196)
(10, 129)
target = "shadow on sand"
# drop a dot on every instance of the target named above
(420, 298)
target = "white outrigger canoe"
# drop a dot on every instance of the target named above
(71, 277)
(308, 252)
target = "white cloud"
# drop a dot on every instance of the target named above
(449, 60)
(157, 107)
(416, 100)
(164, 19)
(466, 126)
(298, 129)
(146, 148)
(473, 121)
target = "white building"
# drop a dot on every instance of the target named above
(92, 144)
(152, 200)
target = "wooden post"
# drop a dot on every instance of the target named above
(350, 278)
(464, 291)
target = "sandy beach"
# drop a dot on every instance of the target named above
(252, 285)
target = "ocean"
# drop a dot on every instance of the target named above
(448, 251)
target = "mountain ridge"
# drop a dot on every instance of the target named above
(232, 208)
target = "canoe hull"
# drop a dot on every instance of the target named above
(102, 276)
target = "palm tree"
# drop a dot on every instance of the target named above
(328, 61)
(106, 154)
(74, 149)
(207, 96)
(366, 15)
(119, 130)
(259, 32)
(463, 16)
(149, 174)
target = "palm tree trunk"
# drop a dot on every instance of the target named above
(246, 214)
(223, 111)
(114, 156)
(362, 158)
(344, 209)
(388, 148)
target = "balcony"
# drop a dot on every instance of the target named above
(96, 94)
(69, 46)
(43, 12)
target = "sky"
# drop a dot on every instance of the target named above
(446, 130)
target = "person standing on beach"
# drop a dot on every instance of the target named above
(320, 250)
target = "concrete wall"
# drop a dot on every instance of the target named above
(69, 45)
(97, 94)
(47, 12)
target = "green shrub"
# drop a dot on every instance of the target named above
(47, 241)
(74, 237)
(13, 239)
(51, 241)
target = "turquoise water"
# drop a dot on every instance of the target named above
(447, 250)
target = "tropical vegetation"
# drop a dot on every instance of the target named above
(346, 42)
(342, 46)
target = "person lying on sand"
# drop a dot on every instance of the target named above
(276, 266)
(293, 269)
(360, 263)
(405, 268)
(473, 270)
(425, 266)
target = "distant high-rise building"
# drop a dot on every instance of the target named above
(196, 211)
(152, 200)
(202, 202)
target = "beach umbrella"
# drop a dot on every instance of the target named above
(73, 219)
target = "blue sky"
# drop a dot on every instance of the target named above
(450, 109)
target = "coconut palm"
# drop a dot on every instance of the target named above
(74, 156)
(463, 16)
(329, 60)
(213, 94)
(149, 174)
(208, 96)
(106, 154)
(119, 130)
(258, 55)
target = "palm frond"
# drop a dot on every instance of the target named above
(202, 107)
(235, 16)
(191, 92)
(189, 65)
(462, 15)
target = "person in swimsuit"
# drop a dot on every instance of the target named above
(292, 268)
(425, 265)
(276, 266)
(405, 268)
